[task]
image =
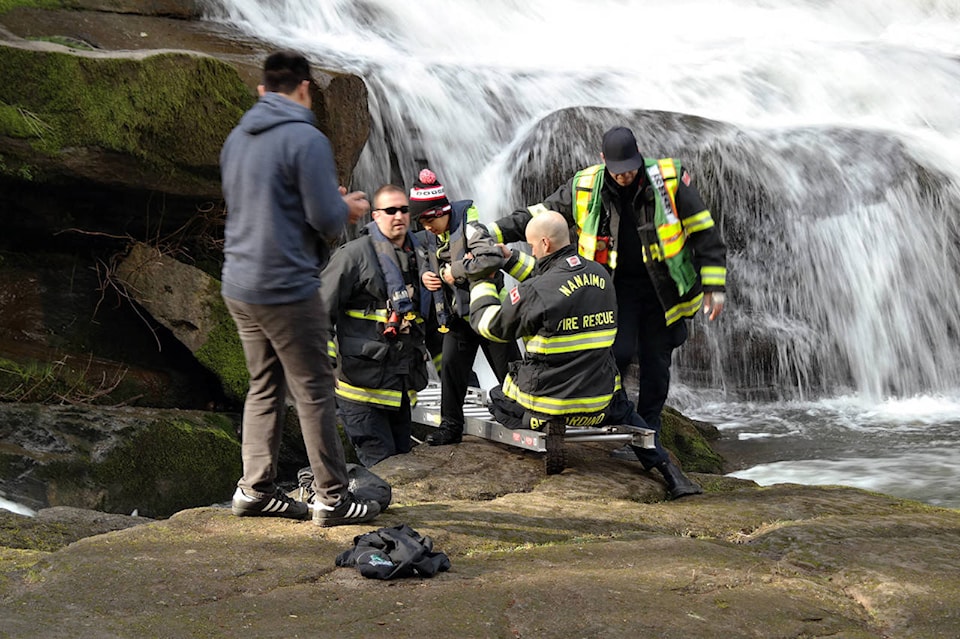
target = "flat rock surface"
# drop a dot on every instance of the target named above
(591, 552)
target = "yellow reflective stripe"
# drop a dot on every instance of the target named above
(524, 266)
(486, 290)
(583, 194)
(473, 215)
(555, 405)
(612, 260)
(672, 238)
(684, 309)
(713, 275)
(699, 222)
(583, 190)
(332, 348)
(412, 394)
(668, 169)
(587, 245)
(392, 398)
(487, 317)
(586, 341)
(482, 289)
(379, 315)
(496, 232)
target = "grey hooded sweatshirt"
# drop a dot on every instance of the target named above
(280, 185)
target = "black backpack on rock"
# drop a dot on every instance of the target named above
(398, 551)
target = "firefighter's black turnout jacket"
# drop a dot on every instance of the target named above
(374, 368)
(567, 314)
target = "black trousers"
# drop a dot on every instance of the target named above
(376, 432)
(643, 332)
(460, 345)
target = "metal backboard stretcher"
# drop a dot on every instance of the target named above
(550, 440)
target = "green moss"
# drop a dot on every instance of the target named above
(685, 441)
(7, 5)
(29, 534)
(171, 465)
(172, 110)
(18, 123)
(223, 353)
(220, 422)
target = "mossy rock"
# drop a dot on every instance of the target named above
(683, 438)
(117, 460)
(153, 122)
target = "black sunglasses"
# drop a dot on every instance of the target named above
(393, 210)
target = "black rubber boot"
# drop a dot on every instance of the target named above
(678, 484)
(444, 435)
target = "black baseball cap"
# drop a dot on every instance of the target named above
(620, 152)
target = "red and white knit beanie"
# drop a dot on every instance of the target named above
(428, 197)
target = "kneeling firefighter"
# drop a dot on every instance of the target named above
(567, 313)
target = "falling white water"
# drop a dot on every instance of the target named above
(14, 507)
(847, 282)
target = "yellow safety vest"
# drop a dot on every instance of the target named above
(672, 237)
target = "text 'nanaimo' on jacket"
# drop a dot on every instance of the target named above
(567, 315)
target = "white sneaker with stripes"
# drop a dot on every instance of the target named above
(276, 505)
(349, 510)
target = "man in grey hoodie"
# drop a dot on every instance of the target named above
(283, 201)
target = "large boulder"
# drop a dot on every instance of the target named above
(117, 460)
(187, 301)
(66, 337)
(112, 114)
(130, 102)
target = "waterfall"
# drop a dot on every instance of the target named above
(834, 166)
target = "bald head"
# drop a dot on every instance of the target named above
(547, 233)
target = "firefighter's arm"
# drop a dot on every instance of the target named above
(703, 237)
(510, 228)
(519, 265)
(494, 314)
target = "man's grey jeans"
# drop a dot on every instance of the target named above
(285, 346)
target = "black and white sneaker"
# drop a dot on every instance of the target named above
(349, 510)
(276, 505)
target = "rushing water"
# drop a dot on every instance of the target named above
(838, 358)
(15, 507)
